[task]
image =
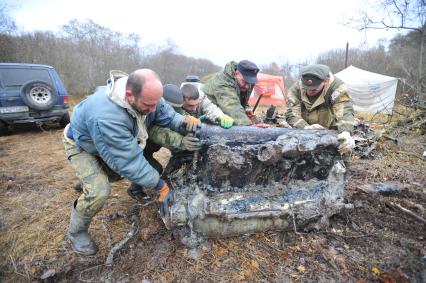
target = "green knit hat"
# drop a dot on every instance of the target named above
(313, 75)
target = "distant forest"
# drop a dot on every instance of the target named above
(83, 52)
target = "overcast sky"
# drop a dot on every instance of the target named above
(262, 31)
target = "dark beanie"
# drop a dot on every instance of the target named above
(173, 95)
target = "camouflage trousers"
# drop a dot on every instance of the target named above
(95, 176)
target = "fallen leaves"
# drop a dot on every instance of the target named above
(375, 271)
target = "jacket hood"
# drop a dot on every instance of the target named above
(229, 70)
(116, 90)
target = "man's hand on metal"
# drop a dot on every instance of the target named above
(191, 143)
(284, 124)
(192, 124)
(225, 121)
(314, 127)
(166, 197)
(261, 125)
(250, 114)
(347, 143)
(208, 119)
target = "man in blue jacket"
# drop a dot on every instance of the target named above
(105, 142)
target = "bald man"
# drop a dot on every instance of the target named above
(104, 142)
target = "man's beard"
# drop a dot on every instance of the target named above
(142, 112)
(313, 94)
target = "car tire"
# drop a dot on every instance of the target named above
(64, 120)
(4, 129)
(39, 95)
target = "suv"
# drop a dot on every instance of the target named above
(31, 93)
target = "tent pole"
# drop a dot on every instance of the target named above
(346, 55)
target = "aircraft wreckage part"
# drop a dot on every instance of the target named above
(249, 179)
(249, 155)
(210, 135)
(238, 134)
(277, 207)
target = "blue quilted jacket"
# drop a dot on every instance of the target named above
(101, 127)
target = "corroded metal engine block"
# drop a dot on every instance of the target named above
(248, 179)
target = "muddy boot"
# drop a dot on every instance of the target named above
(78, 187)
(136, 192)
(78, 237)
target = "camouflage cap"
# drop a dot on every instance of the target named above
(173, 95)
(313, 75)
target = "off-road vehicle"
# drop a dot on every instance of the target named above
(31, 93)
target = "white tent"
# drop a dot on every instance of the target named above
(370, 92)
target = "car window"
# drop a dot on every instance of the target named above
(18, 77)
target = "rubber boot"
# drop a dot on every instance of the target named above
(136, 192)
(78, 235)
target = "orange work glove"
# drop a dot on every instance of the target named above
(166, 197)
(192, 124)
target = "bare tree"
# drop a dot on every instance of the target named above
(335, 59)
(94, 50)
(289, 73)
(403, 50)
(173, 67)
(272, 69)
(84, 53)
(400, 15)
(7, 27)
(7, 24)
(374, 59)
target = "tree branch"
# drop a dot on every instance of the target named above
(390, 9)
(406, 211)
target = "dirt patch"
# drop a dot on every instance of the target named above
(372, 242)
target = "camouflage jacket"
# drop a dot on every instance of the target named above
(332, 109)
(223, 90)
(206, 107)
(166, 137)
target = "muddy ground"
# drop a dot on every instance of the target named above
(374, 242)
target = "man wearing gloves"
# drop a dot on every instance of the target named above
(197, 104)
(164, 137)
(105, 142)
(194, 103)
(321, 101)
(231, 89)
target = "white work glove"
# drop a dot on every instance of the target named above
(284, 124)
(347, 142)
(314, 127)
(191, 143)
